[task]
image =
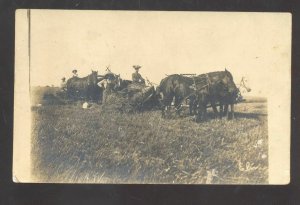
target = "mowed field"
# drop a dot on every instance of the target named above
(76, 145)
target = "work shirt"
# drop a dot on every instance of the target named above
(63, 85)
(106, 81)
(137, 78)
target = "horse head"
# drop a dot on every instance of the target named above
(243, 84)
(93, 77)
(227, 80)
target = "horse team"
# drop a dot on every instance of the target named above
(199, 91)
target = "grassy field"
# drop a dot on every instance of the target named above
(71, 144)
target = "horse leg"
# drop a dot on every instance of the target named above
(214, 107)
(163, 111)
(177, 106)
(221, 111)
(162, 107)
(196, 112)
(87, 95)
(226, 111)
(198, 115)
(204, 112)
(163, 115)
(191, 106)
(165, 104)
(232, 110)
(201, 115)
(195, 106)
(168, 110)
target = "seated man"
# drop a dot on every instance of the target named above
(136, 77)
(75, 75)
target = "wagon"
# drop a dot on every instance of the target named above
(139, 95)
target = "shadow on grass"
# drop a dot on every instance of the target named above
(249, 115)
(238, 115)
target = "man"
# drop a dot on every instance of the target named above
(75, 73)
(136, 77)
(107, 84)
(107, 79)
(63, 84)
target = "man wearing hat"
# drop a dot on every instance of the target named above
(107, 84)
(75, 73)
(136, 77)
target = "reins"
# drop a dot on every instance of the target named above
(196, 90)
(242, 84)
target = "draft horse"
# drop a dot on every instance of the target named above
(83, 88)
(214, 87)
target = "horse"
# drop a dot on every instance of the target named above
(242, 86)
(86, 87)
(223, 90)
(210, 87)
(180, 88)
(232, 98)
(198, 102)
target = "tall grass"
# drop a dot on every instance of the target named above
(71, 144)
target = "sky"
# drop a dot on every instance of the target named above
(252, 45)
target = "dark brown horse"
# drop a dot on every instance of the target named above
(214, 87)
(181, 88)
(232, 98)
(83, 88)
(223, 90)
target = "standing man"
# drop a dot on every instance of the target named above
(136, 77)
(63, 84)
(108, 84)
(75, 73)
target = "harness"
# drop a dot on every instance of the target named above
(208, 84)
(194, 87)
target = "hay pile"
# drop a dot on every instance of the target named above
(129, 100)
(118, 102)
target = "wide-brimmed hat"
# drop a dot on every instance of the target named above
(74, 71)
(109, 74)
(136, 67)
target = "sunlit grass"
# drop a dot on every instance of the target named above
(71, 144)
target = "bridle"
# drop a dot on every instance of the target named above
(243, 85)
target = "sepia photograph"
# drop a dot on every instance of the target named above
(152, 97)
